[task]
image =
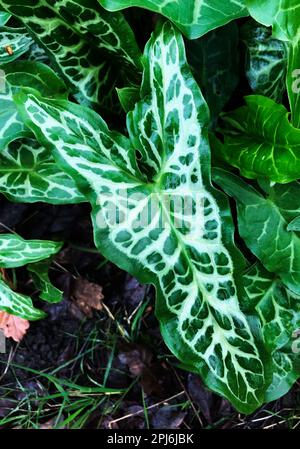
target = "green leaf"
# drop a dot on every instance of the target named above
(93, 50)
(261, 142)
(193, 17)
(214, 59)
(277, 307)
(39, 272)
(266, 61)
(286, 368)
(28, 173)
(14, 40)
(186, 252)
(4, 18)
(17, 252)
(294, 225)
(17, 304)
(263, 221)
(128, 97)
(33, 75)
(282, 15)
(279, 312)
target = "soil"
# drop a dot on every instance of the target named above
(118, 345)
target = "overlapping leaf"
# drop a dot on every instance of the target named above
(28, 173)
(279, 312)
(261, 141)
(194, 18)
(17, 252)
(92, 49)
(263, 221)
(183, 251)
(24, 73)
(17, 304)
(14, 42)
(266, 63)
(284, 17)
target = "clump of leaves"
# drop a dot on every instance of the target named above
(155, 211)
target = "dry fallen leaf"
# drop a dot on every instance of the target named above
(87, 296)
(13, 326)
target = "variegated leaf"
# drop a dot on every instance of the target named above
(40, 275)
(284, 17)
(31, 74)
(186, 252)
(263, 221)
(279, 312)
(260, 140)
(93, 50)
(17, 252)
(14, 42)
(193, 17)
(266, 63)
(17, 304)
(28, 173)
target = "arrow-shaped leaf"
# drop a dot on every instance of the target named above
(141, 224)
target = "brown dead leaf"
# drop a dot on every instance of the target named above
(87, 296)
(13, 326)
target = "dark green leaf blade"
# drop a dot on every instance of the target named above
(191, 267)
(40, 275)
(266, 63)
(194, 18)
(263, 225)
(261, 142)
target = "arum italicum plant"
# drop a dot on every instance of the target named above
(231, 321)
